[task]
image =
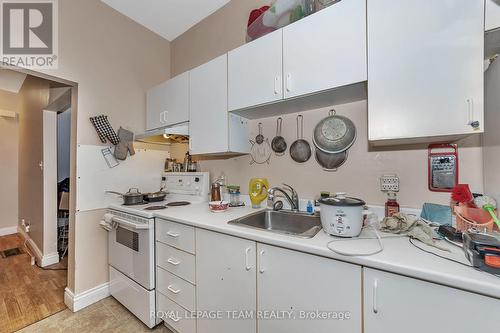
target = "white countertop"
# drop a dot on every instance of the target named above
(399, 256)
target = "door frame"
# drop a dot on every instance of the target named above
(73, 148)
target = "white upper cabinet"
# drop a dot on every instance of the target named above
(325, 50)
(395, 304)
(492, 19)
(255, 72)
(168, 103)
(225, 281)
(425, 68)
(294, 281)
(212, 129)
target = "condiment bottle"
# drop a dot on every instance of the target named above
(391, 206)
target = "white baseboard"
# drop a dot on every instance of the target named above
(42, 260)
(8, 231)
(49, 259)
(82, 300)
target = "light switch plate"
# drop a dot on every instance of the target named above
(389, 183)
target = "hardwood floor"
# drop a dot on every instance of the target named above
(104, 316)
(27, 293)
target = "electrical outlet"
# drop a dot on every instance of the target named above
(389, 183)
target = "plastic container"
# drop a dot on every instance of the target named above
(473, 218)
(391, 206)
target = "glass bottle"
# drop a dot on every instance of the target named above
(392, 205)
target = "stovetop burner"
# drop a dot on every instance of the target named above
(155, 208)
(178, 203)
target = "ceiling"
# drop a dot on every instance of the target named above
(167, 18)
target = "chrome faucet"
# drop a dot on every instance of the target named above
(293, 200)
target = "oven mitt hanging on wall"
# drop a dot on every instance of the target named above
(104, 129)
(126, 144)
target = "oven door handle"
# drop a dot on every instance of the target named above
(125, 223)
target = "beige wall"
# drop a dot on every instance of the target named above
(225, 30)
(9, 143)
(34, 97)
(114, 61)
(222, 31)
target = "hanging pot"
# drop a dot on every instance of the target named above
(334, 134)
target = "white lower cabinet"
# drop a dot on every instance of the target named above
(175, 276)
(225, 279)
(394, 304)
(316, 294)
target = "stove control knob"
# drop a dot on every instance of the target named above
(197, 179)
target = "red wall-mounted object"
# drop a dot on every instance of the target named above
(442, 167)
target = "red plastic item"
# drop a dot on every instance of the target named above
(462, 194)
(254, 14)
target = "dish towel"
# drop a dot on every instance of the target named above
(104, 129)
(411, 226)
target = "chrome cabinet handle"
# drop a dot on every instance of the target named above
(247, 259)
(261, 262)
(173, 234)
(470, 106)
(173, 261)
(175, 291)
(375, 287)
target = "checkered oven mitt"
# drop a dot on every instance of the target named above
(126, 144)
(104, 129)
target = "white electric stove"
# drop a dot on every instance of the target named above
(131, 247)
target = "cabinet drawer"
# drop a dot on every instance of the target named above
(175, 261)
(175, 234)
(174, 315)
(175, 288)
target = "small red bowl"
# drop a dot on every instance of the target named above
(218, 206)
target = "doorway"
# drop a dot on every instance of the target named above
(34, 231)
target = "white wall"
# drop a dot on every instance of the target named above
(491, 137)
(63, 144)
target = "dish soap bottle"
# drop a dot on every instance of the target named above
(310, 208)
(392, 205)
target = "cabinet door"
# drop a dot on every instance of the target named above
(208, 119)
(255, 72)
(394, 304)
(225, 281)
(302, 283)
(425, 76)
(492, 20)
(156, 105)
(177, 110)
(325, 50)
(168, 103)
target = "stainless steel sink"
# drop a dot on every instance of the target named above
(282, 222)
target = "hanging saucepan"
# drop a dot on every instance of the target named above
(278, 144)
(330, 162)
(334, 134)
(132, 197)
(300, 150)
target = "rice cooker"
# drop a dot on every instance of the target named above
(341, 215)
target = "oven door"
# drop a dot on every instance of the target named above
(131, 250)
